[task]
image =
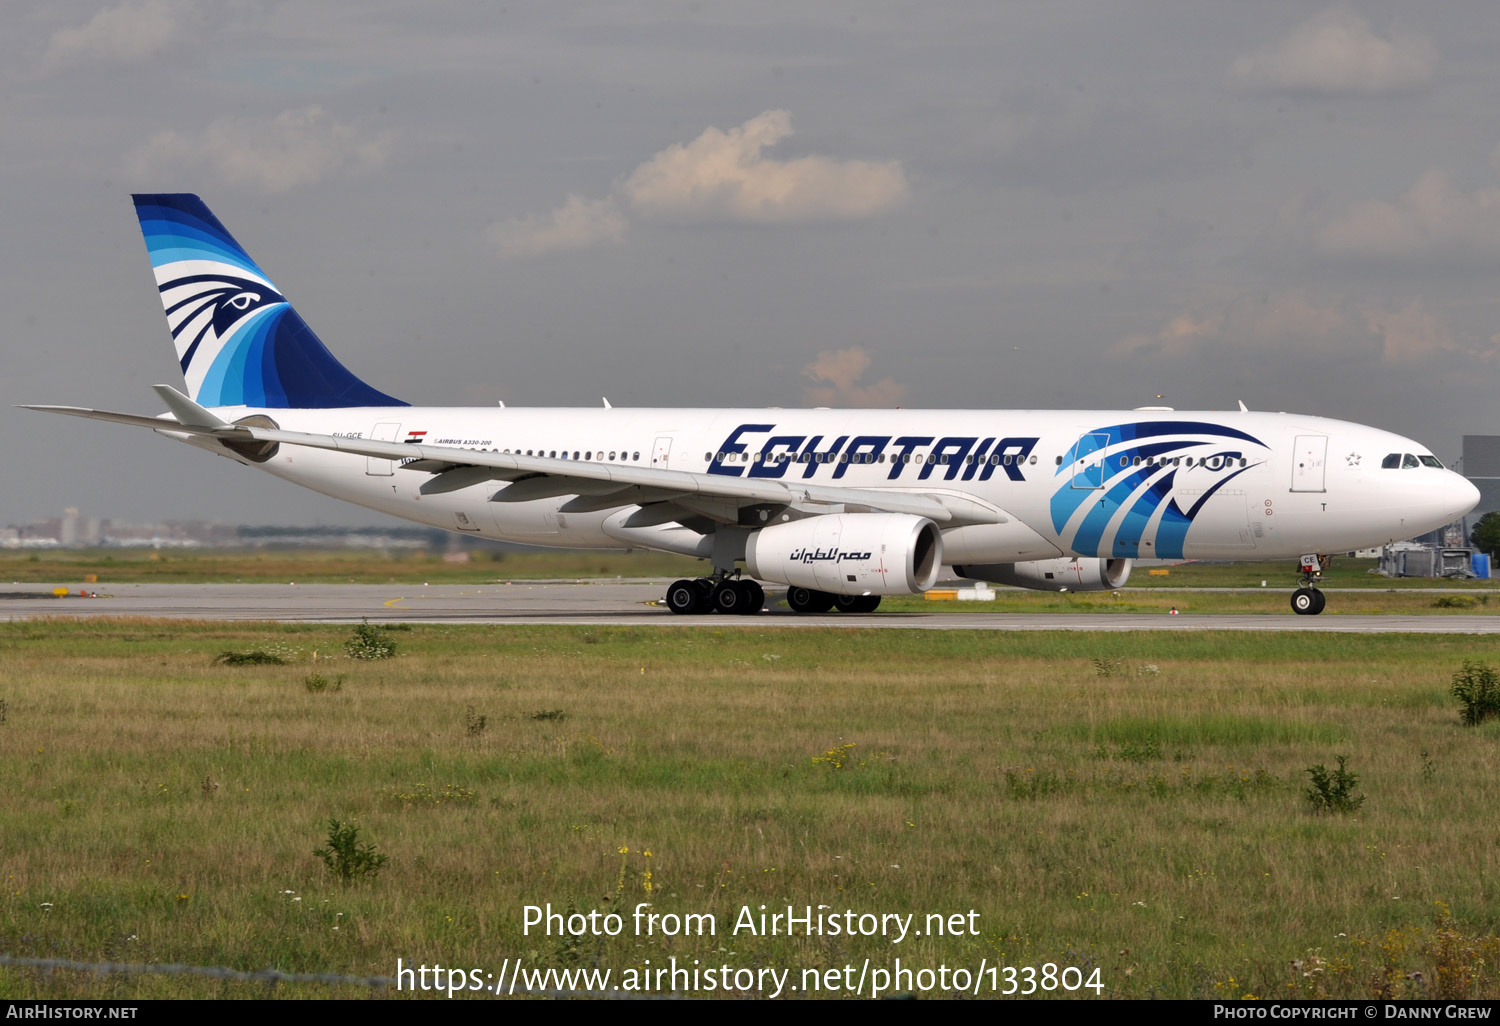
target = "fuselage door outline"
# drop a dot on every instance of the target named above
(1088, 466)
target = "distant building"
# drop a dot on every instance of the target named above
(1481, 465)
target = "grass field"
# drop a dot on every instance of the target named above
(1128, 803)
(341, 566)
(1436, 600)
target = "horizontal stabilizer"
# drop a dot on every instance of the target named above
(185, 410)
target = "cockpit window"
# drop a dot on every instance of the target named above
(1391, 462)
(1408, 461)
(1431, 461)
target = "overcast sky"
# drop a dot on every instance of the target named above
(761, 204)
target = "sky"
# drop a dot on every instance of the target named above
(1011, 205)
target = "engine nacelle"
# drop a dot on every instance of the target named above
(1076, 574)
(849, 554)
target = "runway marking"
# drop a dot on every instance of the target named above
(391, 604)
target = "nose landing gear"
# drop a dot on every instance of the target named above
(1308, 600)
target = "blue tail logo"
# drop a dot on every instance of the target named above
(238, 339)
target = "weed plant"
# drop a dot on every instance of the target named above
(1477, 687)
(1333, 790)
(344, 855)
(254, 657)
(369, 643)
(317, 682)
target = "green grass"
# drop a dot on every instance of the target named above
(351, 566)
(1132, 802)
(1272, 601)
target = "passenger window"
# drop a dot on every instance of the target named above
(636, 457)
(611, 457)
(1409, 461)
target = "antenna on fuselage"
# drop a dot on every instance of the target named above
(1243, 407)
(607, 406)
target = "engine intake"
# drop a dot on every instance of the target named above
(1075, 574)
(849, 554)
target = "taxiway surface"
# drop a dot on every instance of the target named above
(624, 603)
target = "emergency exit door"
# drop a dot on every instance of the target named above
(1309, 460)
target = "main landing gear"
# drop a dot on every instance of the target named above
(736, 596)
(726, 595)
(1307, 600)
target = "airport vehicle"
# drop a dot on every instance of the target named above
(839, 506)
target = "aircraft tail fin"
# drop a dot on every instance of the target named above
(239, 341)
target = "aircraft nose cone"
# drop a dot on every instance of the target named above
(1460, 495)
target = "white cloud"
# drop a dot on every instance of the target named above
(1184, 333)
(297, 147)
(129, 32)
(1293, 323)
(840, 371)
(1433, 215)
(1338, 52)
(577, 224)
(719, 176)
(1411, 334)
(725, 176)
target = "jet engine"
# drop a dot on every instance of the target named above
(849, 554)
(1076, 574)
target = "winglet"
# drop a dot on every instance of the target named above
(185, 410)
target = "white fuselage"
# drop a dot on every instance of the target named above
(1120, 484)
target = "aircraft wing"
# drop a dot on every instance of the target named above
(596, 485)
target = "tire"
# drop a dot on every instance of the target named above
(755, 597)
(684, 598)
(805, 600)
(856, 603)
(1305, 601)
(1319, 601)
(730, 598)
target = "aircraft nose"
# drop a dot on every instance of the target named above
(1460, 495)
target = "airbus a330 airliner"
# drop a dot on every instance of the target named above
(840, 507)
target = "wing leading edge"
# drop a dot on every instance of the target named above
(595, 486)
